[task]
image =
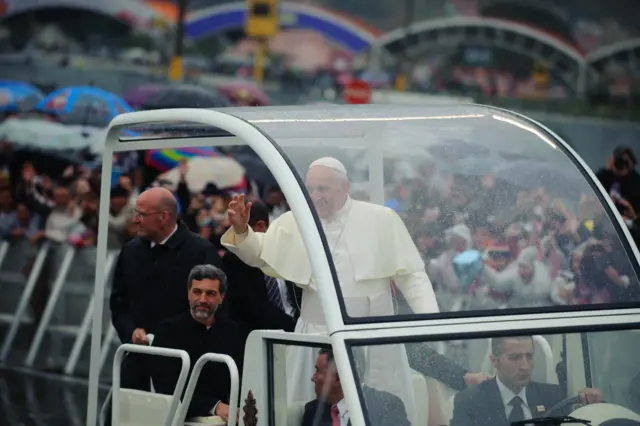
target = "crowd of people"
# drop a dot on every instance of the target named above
(534, 249)
(445, 243)
(542, 252)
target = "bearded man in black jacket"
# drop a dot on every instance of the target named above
(199, 331)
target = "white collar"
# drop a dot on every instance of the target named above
(342, 407)
(163, 242)
(507, 394)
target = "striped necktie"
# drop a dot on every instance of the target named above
(273, 292)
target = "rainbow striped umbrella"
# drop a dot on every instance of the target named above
(167, 159)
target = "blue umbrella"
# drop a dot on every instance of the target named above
(83, 105)
(18, 97)
(562, 180)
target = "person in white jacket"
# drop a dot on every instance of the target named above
(370, 246)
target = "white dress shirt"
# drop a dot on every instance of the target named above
(507, 395)
(343, 412)
(284, 292)
(163, 242)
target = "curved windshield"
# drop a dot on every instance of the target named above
(446, 209)
(501, 380)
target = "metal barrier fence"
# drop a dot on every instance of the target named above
(65, 275)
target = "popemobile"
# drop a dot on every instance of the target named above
(533, 288)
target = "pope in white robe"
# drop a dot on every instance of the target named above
(370, 246)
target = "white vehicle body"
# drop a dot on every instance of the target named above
(286, 139)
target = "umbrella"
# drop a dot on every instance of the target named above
(165, 159)
(46, 135)
(84, 105)
(560, 180)
(18, 97)
(255, 168)
(185, 96)
(244, 94)
(224, 172)
(141, 94)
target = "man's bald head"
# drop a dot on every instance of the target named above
(163, 200)
(156, 213)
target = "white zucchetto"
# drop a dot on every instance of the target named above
(331, 163)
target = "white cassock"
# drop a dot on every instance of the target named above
(370, 246)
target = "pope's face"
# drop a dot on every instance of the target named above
(327, 190)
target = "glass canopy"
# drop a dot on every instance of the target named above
(496, 211)
(484, 211)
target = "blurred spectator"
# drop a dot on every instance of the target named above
(85, 233)
(120, 214)
(276, 203)
(27, 225)
(7, 214)
(621, 180)
(65, 216)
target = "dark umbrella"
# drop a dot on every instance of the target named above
(561, 180)
(255, 169)
(141, 94)
(185, 96)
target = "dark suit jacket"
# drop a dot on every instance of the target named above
(482, 405)
(247, 302)
(150, 285)
(183, 332)
(383, 408)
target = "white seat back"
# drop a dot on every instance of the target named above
(294, 413)
(139, 408)
(134, 407)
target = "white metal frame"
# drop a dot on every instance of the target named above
(256, 351)
(246, 134)
(193, 381)
(155, 351)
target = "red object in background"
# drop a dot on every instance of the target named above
(357, 92)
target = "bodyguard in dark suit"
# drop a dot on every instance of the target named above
(255, 300)
(511, 396)
(330, 408)
(198, 331)
(151, 272)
